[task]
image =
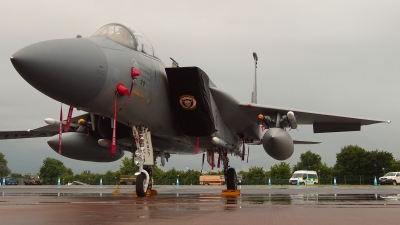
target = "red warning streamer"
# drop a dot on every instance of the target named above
(60, 132)
(122, 90)
(68, 123)
(113, 140)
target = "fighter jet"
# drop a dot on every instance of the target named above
(134, 103)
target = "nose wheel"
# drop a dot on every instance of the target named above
(141, 185)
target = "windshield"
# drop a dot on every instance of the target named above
(390, 174)
(298, 175)
(312, 175)
(118, 34)
(34, 176)
(128, 36)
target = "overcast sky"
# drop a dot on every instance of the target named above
(338, 57)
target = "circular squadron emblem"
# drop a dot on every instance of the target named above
(187, 102)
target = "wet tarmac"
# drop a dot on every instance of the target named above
(200, 205)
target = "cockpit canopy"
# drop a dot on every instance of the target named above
(128, 36)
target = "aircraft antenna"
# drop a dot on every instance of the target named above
(174, 63)
(254, 93)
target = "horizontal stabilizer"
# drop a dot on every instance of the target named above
(305, 142)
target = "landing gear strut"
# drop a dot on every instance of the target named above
(143, 155)
(230, 173)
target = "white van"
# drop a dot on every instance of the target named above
(304, 177)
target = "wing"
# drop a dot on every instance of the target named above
(322, 123)
(46, 131)
(239, 116)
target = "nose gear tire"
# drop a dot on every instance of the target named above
(140, 179)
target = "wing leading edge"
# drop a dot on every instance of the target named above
(322, 123)
(45, 131)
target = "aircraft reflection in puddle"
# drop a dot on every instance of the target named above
(230, 202)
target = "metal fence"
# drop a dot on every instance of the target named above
(340, 180)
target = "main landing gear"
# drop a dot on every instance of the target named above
(231, 180)
(230, 176)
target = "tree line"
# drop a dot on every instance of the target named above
(354, 165)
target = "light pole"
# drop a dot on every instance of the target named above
(383, 171)
(254, 96)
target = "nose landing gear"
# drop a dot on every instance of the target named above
(144, 160)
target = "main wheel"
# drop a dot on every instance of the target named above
(231, 183)
(140, 179)
(394, 182)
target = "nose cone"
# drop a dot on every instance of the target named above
(72, 71)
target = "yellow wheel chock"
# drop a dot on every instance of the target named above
(230, 193)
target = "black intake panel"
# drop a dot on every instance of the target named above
(105, 130)
(190, 96)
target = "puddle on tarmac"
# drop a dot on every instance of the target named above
(182, 199)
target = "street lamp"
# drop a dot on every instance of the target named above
(254, 94)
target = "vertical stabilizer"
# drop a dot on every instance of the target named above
(254, 93)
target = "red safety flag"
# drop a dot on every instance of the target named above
(113, 141)
(68, 123)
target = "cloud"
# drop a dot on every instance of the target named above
(333, 57)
